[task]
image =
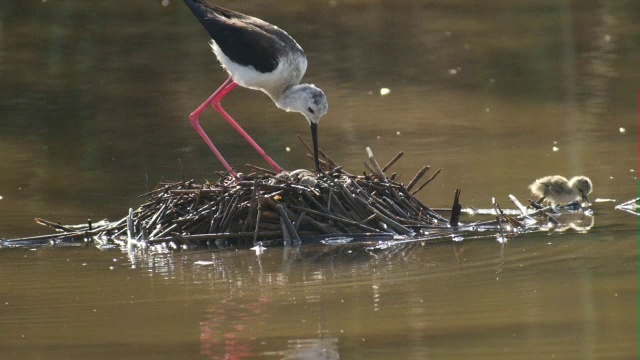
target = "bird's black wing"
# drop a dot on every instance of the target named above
(244, 39)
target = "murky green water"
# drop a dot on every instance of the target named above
(94, 100)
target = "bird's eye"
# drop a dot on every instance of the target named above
(311, 110)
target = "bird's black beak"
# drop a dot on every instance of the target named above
(314, 137)
(584, 197)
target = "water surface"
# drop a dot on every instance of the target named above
(94, 100)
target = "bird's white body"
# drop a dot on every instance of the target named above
(557, 189)
(289, 72)
(280, 84)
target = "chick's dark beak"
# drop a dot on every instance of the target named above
(314, 137)
(584, 197)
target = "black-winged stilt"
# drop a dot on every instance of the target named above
(557, 189)
(260, 56)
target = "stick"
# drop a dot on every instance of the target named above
(378, 171)
(518, 204)
(163, 188)
(43, 239)
(539, 211)
(399, 228)
(627, 203)
(392, 161)
(428, 181)
(252, 207)
(287, 222)
(455, 209)
(418, 176)
(130, 229)
(205, 237)
(260, 169)
(328, 161)
(52, 225)
(509, 219)
(336, 218)
(368, 167)
(323, 228)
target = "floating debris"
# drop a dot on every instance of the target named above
(631, 206)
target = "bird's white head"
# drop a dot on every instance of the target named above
(306, 99)
(311, 102)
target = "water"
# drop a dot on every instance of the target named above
(94, 101)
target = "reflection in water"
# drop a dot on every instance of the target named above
(600, 71)
(315, 349)
(253, 294)
(579, 221)
(230, 326)
(351, 300)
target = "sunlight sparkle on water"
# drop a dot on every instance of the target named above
(337, 240)
(259, 249)
(203, 262)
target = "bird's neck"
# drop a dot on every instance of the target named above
(290, 99)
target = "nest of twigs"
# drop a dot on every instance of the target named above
(292, 207)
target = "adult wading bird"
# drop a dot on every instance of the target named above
(259, 56)
(557, 189)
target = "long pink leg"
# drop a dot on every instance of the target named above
(216, 105)
(195, 122)
(214, 100)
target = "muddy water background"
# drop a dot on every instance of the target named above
(94, 101)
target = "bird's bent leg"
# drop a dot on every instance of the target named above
(215, 102)
(195, 122)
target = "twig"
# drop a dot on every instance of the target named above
(336, 218)
(260, 169)
(376, 167)
(369, 167)
(328, 162)
(252, 207)
(418, 176)
(392, 161)
(287, 222)
(52, 225)
(518, 204)
(427, 182)
(130, 228)
(456, 208)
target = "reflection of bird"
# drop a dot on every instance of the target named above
(557, 189)
(259, 56)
